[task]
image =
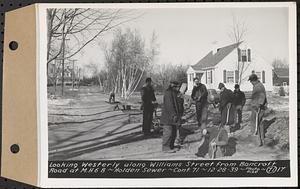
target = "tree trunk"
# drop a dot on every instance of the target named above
(137, 83)
(241, 74)
(55, 84)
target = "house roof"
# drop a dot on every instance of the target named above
(281, 72)
(210, 60)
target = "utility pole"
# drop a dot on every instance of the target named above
(63, 68)
(79, 77)
(63, 64)
(73, 73)
(63, 55)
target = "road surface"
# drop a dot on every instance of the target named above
(88, 128)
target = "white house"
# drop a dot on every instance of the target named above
(221, 65)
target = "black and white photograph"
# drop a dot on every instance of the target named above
(169, 84)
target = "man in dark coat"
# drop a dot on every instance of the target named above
(199, 95)
(182, 132)
(239, 102)
(225, 106)
(148, 100)
(258, 105)
(170, 117)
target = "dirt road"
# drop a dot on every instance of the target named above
(88, 128)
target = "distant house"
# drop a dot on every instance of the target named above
(280, 76)
(220, 65)
(55, 73)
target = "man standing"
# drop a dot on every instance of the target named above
(199, 95)
(258, 104)
(182, 132)
(170, 117)
(225, 106)
(239, 102)
(148, 100)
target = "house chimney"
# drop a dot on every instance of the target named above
(214, 47)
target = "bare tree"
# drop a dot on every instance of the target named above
(80, 27)
(164, 73)
(280, 63)
(100, 74)
(55, 73)
(237, 33)
(153, 52)
(126, 61)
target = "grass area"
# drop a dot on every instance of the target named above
(136, 98)
(274, 100)
(70, 93)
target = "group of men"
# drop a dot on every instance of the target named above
(230, 104)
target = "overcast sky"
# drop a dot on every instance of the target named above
(186, 35)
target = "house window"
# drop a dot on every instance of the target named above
(263, 76)
(208, 76)
(236, 76)
(230, 76)
(244, 56)
(239, 54)
(249, 55)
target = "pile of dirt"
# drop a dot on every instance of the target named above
(278, 132)
(277, 129)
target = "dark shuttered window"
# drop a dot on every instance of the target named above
(224, 76)
(239, 55)
(206, 76)
(244, 56)
(249, 55)
(263, 75)
(211, 77)
(236, 76)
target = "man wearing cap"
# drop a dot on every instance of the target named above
(199, 95)
(148, 100)
(182, 132)
(170, 117)
(239, 102)
(258, 105)
(225, 106)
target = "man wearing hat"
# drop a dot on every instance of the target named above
(199, 95)
(171, 117)
(258, 105)
(225, 106)
(148, 100)
(239, 102)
